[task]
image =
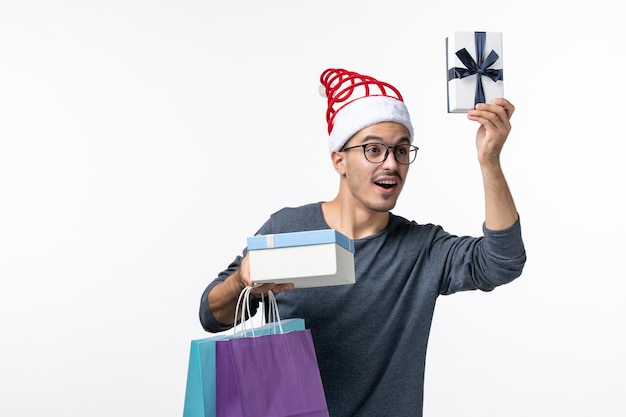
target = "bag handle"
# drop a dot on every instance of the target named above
(244, 302)
(274, 315)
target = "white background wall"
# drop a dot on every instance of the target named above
(141, 142)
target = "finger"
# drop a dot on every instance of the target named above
(509, 108)
(283, 288)
(488, 120)
(501, 107)
(275, 288)
(491, 116)
(261, 289)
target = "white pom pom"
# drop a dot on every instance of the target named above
(322, 90)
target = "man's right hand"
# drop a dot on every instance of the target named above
(223, 297)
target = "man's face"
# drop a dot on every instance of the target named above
(374, 186)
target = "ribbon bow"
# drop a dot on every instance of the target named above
(480, 69)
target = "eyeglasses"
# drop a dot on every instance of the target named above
(377, 153)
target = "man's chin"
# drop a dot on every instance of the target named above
(383, 206)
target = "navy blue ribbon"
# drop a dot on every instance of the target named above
(480, 69)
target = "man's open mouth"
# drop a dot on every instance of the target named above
(386, 184)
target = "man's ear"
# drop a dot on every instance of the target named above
(339, 162)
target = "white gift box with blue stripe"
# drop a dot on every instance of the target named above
(316, 258)
(474, 64)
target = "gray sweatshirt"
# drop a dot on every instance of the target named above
(370, 337)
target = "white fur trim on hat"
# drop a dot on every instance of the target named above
(364, 112)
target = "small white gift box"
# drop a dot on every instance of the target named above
(315, 258)
(474, 63)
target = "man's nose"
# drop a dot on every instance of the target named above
(390, 158)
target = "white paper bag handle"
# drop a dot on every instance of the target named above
(244, 301)
(274, 315)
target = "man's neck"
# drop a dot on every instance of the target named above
(352, 220)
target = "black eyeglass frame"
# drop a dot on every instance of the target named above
(365, 145)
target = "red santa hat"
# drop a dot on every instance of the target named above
(356, 101)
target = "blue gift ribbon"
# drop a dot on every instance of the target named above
(480, 69)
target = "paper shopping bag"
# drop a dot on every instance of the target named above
(200, 389)
(269, 376)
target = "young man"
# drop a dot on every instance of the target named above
(371, 337)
